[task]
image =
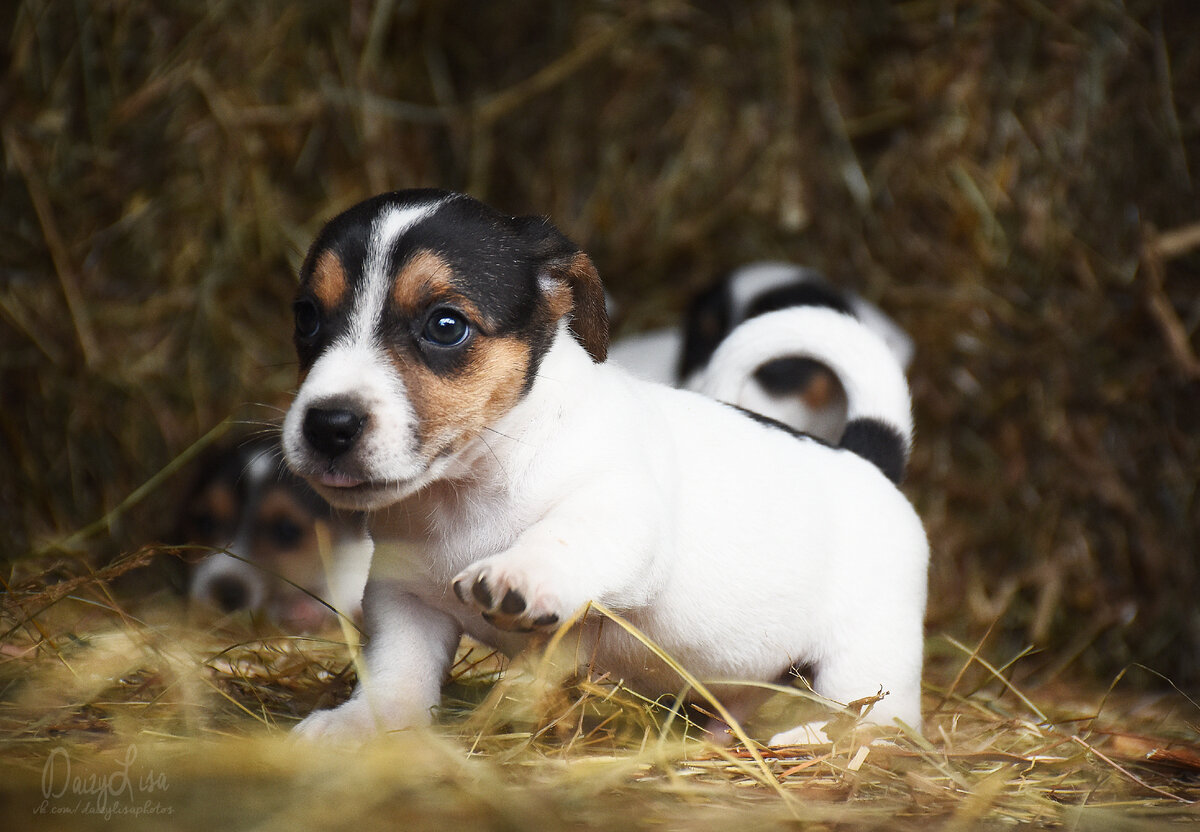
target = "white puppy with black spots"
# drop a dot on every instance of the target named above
(454, 387)
(800, 392)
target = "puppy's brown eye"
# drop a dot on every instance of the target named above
(446, 328)
(308, 319)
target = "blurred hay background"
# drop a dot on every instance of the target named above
(1013, 181)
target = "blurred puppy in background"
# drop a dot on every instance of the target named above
(797, 391)
(263, 525)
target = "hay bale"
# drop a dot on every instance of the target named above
(1006, 180)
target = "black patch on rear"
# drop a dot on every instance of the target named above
(878, 443)
(767, 421)
(785, 376)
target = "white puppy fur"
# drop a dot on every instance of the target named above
(658, 355)
(741, 549)
(845, 346)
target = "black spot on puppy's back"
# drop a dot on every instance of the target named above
(878, 443)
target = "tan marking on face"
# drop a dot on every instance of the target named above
(219, 502)
(299, 562)
(424, 277)
(329, 282)
(452, 410)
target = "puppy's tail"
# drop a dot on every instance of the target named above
(879, 409)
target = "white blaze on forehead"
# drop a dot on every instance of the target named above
(356, 371)
(388, 227)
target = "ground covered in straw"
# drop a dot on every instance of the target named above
(145, 716)
(1015, 182)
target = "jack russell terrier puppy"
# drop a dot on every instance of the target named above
(261, 521)
(800, 392)
(453, 386)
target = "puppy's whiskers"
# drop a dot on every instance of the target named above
(506, 436)
(492, 451)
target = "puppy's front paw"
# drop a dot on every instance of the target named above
(507, 599)
(356, 721)
(351, 722)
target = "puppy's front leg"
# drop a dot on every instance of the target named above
(580, 552)
(410, 650)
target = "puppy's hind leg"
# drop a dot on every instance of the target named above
(863, 669)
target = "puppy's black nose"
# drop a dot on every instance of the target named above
(332, 431)
(229, 594)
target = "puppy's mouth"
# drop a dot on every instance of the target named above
(346, 486)
(339, 480)
(349, 491)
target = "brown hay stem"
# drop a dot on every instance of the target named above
(998, 674)
(735, 727)
(1128, 774)
(67, 274)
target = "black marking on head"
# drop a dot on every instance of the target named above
(879, 443)
(512, 279)
(490, 264)
(495, 263)
(347, 237)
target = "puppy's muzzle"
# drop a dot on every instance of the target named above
(229, 593)
(332, 430)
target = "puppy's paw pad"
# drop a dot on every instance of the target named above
(505, 601)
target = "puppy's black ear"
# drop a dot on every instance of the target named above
(572, 276)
